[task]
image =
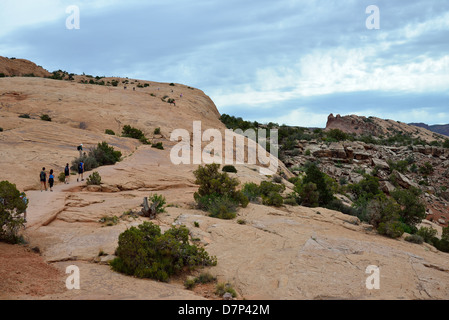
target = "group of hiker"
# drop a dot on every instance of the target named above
(51, 175)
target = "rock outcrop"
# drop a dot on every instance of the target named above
(20, 67)
(373, 126)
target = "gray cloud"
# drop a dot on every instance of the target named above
(287, 54)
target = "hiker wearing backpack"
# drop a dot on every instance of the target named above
(51, 180)
(80, 171)
(80, 149)
(67, 174)
(43, 178)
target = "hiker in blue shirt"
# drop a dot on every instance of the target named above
(51, 180)
(80, 171)
(25, 200)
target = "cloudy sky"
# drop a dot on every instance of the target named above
(286, 61)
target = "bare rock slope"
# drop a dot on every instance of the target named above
(266, 253)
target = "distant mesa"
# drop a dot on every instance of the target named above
(440, 128)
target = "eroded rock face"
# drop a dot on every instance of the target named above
(360, 158)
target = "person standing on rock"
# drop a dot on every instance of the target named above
(43, 178)
(80, 149)
(25, 201)
(80, 171)
(67, 173)
(51, 180)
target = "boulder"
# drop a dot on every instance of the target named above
(93, 188)
(380, 163)
(387, 187)
(404, 181)
(109, 189)
(361, 155)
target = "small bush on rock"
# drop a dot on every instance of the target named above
(217, 192)
(12, 206)
(229, 169)
(145, 252)
(94, 179)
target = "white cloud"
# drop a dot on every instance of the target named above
(15, 14)
(299, 117)
(341, 71)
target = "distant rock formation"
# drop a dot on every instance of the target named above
(439, 128)
(373, 126)
(353, 124)
(10, 67)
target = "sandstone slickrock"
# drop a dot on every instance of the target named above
(279, 253)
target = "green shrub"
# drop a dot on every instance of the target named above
(414, 238)
(338, 205)
(229, 169)
(94, 179)
(45, 117)
(308, 194)
(130, 132)
(25, 116)
(291, 200)
(427, 233)
(366, 190)
(223, 288)
(442, 245)
(61, 177)
(392, 229)
(12, 206)
(2, 75)
(110, 132)
(266, 187)
(109, 221)
(105, 154)
(157, 131)
(426, 169)
(212, 182)
(273, 199)
(217, 192)
(90, 163)
(201, 279)
(445, 235)
(277, 179)
(145, 252)
(158, 145)
(251, 191)
(337, 135)
(446, 144)
(400, 166)
(383, 210)
(1, 129)
(172, 84)
(189, 284)
(221, 207)
(161, 202)
(102, 155)
(413, 209)
(314, 175)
